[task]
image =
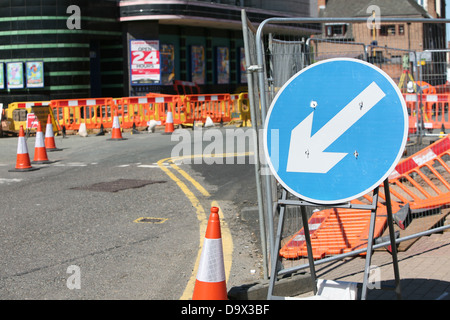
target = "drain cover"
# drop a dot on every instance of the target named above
(150, 220)
(117, 185)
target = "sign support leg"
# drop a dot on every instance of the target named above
(369, 245)
(274, 255)
(309, 248)
(392, 239)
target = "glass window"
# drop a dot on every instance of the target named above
(335, 30)
(387, 30)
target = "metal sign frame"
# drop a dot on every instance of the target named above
(280, 207)
(281, 203)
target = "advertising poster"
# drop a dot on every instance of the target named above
(145, 62)
(198, 64)
(2, 75)
(223, 65)
(167, 64)
(35, 74)
(14, 75)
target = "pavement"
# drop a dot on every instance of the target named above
(424, 270)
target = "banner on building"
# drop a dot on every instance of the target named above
(2, 75)
(167, 64)
(145, 62)
(14, 75)
(198, 64)
(35, 74)
(223, 65)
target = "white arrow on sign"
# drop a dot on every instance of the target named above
(306, 153)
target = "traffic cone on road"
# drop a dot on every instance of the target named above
(211, 283)
(208, 122)
(169, 123)
(49, 136)
(40, 154)
(116, 133)
(101, 132)
(23, 159)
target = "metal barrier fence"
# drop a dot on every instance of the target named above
(412, 52)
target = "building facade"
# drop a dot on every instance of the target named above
(59, 49)
(389, 41)
(67, 49)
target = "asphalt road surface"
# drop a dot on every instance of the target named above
(65, 233)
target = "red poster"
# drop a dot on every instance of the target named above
(145, 62)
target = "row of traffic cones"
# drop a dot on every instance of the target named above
(47, 143)
(116, 133)
(42, 145)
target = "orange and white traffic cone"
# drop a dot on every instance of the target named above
(116, 133)
(23, 159)
(49, 136)
(211, 283)
(40, 154)
(169, 123)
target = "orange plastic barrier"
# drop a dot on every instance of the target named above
(421, 181)
(334, 231)
(200, 107)
(136, 110)
(93, 112)
(434, 110)
(165, 103)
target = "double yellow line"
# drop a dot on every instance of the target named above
(227, 240)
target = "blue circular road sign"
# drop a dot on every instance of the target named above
(335, 131)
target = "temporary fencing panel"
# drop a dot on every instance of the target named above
(433, 111)
(133, 111)
(410, 52)
(200, 107)
(93, 112)
(166, 103)
(136, 110)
